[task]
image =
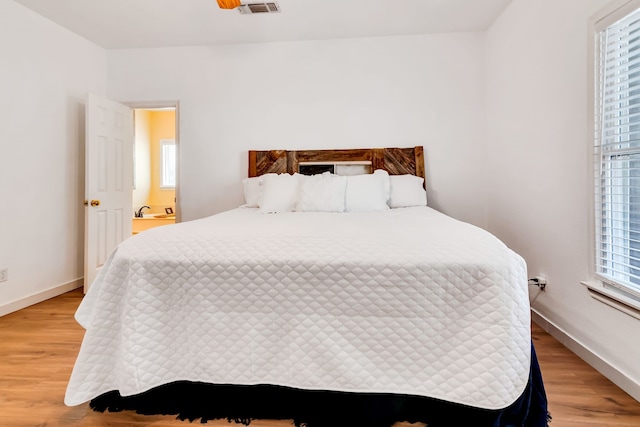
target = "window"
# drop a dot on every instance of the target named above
(617, 156)
(168, 163)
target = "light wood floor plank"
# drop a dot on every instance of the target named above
(39, 345)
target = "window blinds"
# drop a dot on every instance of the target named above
(617, 155)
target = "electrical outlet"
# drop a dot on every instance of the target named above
(542, 282)
(4, 275)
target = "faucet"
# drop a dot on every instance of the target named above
(139, 213)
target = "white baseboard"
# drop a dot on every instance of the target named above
(40, 296)
(599, 363)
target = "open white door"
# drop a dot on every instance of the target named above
(108, 181)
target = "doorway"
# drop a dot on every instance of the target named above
(109, 167)
(155, 171)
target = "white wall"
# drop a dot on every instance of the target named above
(540, 170)
(45, 74)
(142, 168)
(390, 91)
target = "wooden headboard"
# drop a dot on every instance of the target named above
(396, 161)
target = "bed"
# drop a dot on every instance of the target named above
(325, 312)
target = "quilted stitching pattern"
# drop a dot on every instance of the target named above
(407, 301)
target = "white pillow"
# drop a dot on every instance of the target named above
(367, 193)
(252, 191)
(322, 193)
(406, 190)
(280, 192)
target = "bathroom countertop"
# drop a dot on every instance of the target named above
(150, 221)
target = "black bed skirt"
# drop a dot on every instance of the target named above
(201, 401)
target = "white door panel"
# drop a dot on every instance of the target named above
(108, 181)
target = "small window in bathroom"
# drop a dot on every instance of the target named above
(168, 163)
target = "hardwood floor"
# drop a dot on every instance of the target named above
(39, 345)
(578, 395)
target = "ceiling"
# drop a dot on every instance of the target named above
(122, 24)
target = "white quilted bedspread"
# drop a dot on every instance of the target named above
(406, 301)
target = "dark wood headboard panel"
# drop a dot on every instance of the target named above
(396, 161)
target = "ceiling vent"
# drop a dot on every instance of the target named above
(251, 8)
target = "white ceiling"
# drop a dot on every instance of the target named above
(119, 24)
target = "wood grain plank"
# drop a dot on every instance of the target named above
(396, 160)
(272, 161)
(344, 155)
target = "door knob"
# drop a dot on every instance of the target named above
(95, 203)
